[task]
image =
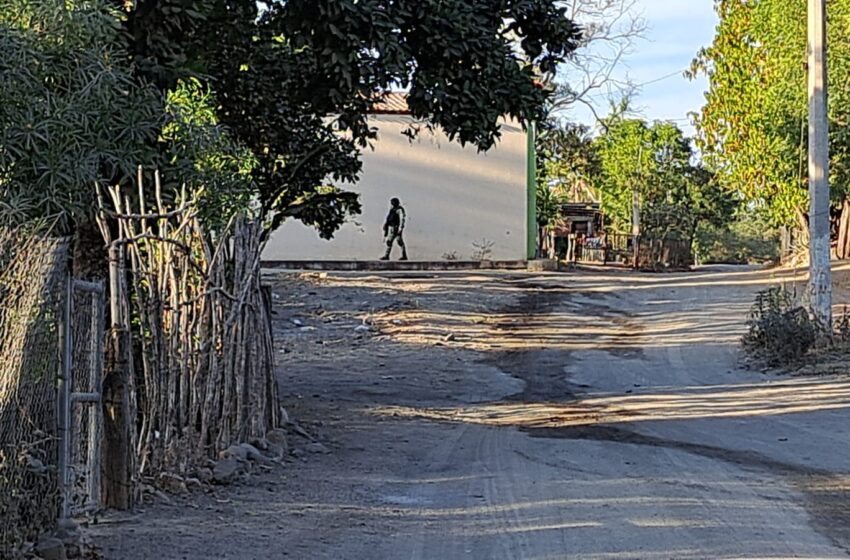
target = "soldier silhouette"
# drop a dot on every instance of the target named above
(394, 229)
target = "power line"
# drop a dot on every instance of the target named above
(662, 78)
(640, 85)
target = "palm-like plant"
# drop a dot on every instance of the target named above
(71, 114)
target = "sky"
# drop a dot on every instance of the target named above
(677, 30)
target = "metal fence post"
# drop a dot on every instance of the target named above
(96, 375)
(64, 387)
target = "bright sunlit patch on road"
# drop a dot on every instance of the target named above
(689, 403)
(666, 522)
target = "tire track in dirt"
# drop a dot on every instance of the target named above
(543, 369)
(826, 495)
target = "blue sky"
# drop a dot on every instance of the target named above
(677, 30)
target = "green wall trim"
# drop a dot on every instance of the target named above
(531, 191)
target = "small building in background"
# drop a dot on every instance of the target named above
(461, 204)
(581, 218)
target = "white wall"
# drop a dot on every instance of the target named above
(453, 196)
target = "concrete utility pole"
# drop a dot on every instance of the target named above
(820, 277)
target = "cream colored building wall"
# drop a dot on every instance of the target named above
(453, 195)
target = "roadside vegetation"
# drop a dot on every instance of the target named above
(745, 239)
(679, 198)
(752, 131)
(179, 134)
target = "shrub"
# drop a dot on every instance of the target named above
(779, 329)
(747, 240)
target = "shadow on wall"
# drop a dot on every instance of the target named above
(453, 197)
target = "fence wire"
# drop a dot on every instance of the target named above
(87, 328)
(32, 282)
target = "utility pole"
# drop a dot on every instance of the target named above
(820, 276)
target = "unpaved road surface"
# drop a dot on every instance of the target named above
(590, 415)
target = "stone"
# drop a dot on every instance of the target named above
(195, 483)
(172, 483)
(260, 443)
(277, 437)
(205, 475)
(236, 452)
(278, 443)
(50, 548)
(542, 265)
(317, 448)
(252, 453)
(227, 470)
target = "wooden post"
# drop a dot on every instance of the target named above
(820, 277)
(117, 458)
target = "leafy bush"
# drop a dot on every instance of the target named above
(71, 113)
(779, 329)
(747, 240)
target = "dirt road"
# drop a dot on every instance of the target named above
(595, 415)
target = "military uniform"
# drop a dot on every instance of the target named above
(394, 230)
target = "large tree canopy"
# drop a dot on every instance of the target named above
(266, 103)
(657, 162)
(567, 167)
(289, 76)
(752, 128)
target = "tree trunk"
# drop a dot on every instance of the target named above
(91, 261)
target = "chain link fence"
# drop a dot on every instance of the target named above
(86, 421)
(51, 355)
(33, 272)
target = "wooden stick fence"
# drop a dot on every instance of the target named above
(204, 377)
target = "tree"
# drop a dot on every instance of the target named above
(567, 162)
(60, 71)
(752, 128)
(657, 162)
(610, 30)
(290, 76)
(566, 167)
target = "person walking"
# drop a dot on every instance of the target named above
(394, 229)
